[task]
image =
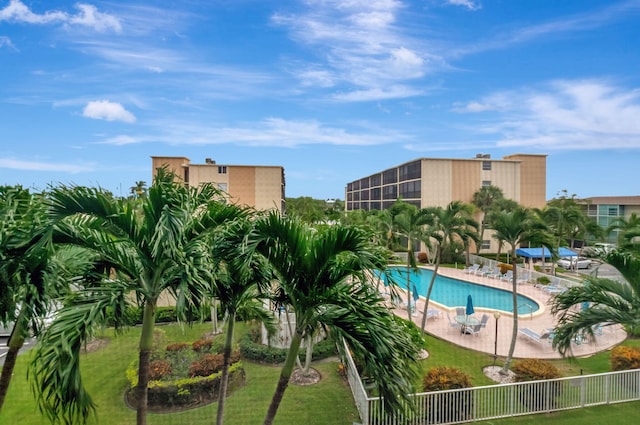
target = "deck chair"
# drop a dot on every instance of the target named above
(507, 276)
(460, 311)
(484, 320)
(495, 273)
(433, 313)
(482, 271)
(473, 330)
(471, 269)
(543, 338)
(453, 324)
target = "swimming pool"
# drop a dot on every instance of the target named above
(452, 292)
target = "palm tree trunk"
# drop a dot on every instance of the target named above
(16, 341)
(428, 296)
(309, 355)
(146, 345)
(285, 375)
(514, 333)
(224, 378)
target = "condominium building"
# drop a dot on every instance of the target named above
(605, 209)
(427, 182)
(260, 187)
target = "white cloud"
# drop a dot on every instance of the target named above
(469, 4)
(6, 42)
(15, 164)
(109, 111)
(88, 16)
(564, 114)
(360, 46)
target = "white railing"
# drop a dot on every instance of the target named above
(498, 401)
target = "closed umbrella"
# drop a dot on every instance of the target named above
(469, 311)
(415, 293)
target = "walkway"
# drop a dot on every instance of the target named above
(485, 340)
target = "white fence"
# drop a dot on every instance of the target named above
(498, 401)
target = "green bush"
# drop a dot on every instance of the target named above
(258, 353)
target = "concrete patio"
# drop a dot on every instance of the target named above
(486, 340)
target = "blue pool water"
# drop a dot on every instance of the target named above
(453, 292)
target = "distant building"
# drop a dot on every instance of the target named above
(260, 187)
(605, 209)
(428, 182)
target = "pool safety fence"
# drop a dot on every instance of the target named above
(497, 401)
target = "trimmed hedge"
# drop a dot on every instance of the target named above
(258, 353)
(133, 316)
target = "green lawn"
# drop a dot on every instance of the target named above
(328, 402)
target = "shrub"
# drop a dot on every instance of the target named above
(256, 352)
(534, 370)
(208, 364)
(178, 346)
(202, 345)
(539, 396)
(543, 280)
(445, 378)
(159, 369)
(423, 257)
(454, 407)
(625, 358)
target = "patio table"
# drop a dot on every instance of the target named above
(466, 321)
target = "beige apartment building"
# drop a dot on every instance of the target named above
(260, 187)
(427, 182)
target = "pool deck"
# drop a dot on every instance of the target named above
(485, 341)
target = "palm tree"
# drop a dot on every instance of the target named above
(410, 224)
(512, 228)
(323, 276)
(149, 250)
(241, 280)
(485, 199)
(625, 227)
(140, 189)
(611, 302)
(444, 225)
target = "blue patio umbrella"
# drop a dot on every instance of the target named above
(469, 311)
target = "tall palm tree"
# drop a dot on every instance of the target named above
(444, 226)
(410, 224)
(323, 276)
(23, 266)
(485, 199)
(512, 228)
(242, 279)
(155, 248)
(611, 302)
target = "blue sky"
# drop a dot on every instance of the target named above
(332, 90)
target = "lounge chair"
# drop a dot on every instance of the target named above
(432, 313)
(471, 269)
(553, 289)
(495, 273)
(543, 338)
(507, 276)
(482, 271)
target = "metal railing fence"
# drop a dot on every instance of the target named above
(498, 401)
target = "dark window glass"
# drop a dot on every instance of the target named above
(364, 183)
(410, 190)
(376, 194)
(390, 192)
(410, 171)
(486, 165)
(390, 176)
(376, 180)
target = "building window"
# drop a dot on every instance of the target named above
(486, 244)
(364, 183)
(376, 194)
(410, 190)
(410, 171)
(390, 176)
(222, 169)
(376, 180)
(390, 192)
(486, 165)
(486, 183)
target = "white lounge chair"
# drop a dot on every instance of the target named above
(482, 271)
(495, 273)
(471, 269)
(543, 338)
(432, 313)
(507, 276)
(553, 289)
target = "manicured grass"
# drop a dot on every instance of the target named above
(328, 402)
